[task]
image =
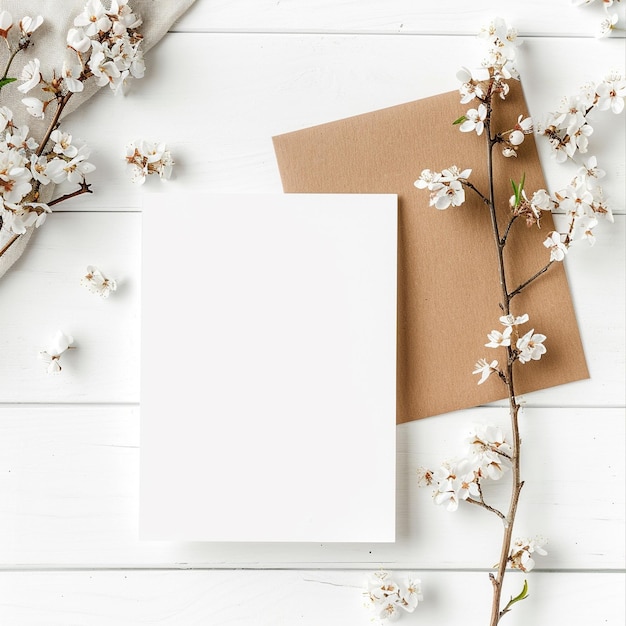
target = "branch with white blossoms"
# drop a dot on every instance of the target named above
(568, 130)
(489, 455)
(51, 356)
(105, 46)
(388, 599)
(609, 22)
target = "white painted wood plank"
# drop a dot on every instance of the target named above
(69, 496)
(42, 293)
(218, 116)
(281, 598)
(557, 17)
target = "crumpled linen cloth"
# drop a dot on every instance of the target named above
(50, 47)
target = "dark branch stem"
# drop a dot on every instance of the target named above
(84, 188)
(497, 579)
(525, 284)
(475, 190)
(508, 229)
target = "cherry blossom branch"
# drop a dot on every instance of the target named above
(497, 579)
(61, 104)
(84, 188)
(9, 244)
(489, 453)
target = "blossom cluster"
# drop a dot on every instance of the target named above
(524, 348)
(26, 27)
(25, 167)
(446, 187)
(98, 283)
(522, 550)
(145, 158)
(490, 78)
(107, 47)
(568, 128)
(609, 23)
(389, 599)
(487, 456)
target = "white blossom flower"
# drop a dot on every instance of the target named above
(98, 283)
(14, 176)
(78, 40)
(499, 339)
(47, 170)
(472, 83)
(611, 93)
(63, 144)
(427, 178)
(558, 249)
(79, 167)
(71, 74)
(607, 25)
(590, 173)
(51, 356)
(521, 551)
(145, 158)
(93, 19)
(105, 71)
(6, 22)
(524, 126)
(34, 106)
(28, 25)
(501, 38)
(585, 226)
(485, 369)
(475, 120)
(512, 320)
(542, 201)
(18, 139)
(576, 199)
(6, 115)
(489, 453)
(448, 485)
(530, 346)
(389, 599)
(31, 75)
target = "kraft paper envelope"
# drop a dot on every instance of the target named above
(268, 368)
(448, 285)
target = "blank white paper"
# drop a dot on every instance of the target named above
(268, 383)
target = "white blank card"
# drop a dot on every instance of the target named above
(268, 380)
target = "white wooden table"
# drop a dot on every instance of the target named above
(69, 445)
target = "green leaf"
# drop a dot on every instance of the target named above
(6, 81)
(523, 594)
(460, 120)
(517, 189)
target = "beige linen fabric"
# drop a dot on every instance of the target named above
(49, 46)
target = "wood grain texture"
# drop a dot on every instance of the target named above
(287, 598)
(534, 17)
(69, 475)
(229, 76)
